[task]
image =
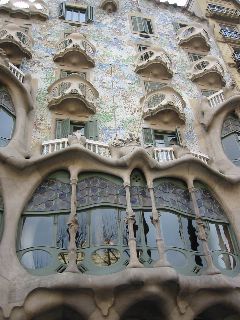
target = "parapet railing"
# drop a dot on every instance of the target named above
(216, 98)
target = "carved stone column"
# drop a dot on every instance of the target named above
(134, 262)
(73, 228)
(202, 235)
(162, 262)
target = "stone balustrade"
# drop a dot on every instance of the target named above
(102, 149)
(216, 98)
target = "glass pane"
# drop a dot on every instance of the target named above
(219, 237)
(171, 230)
(226, 261)
(75, 15)
(190, 234)
(82, 239)
(105, 257)
(82, 16)
(159, 140)
(231, 146)
(68, 15)
(149, 230)
(176, 258)
(62, 232)
(104, 225)
(6, 127)
(37, 231)
(37, 259)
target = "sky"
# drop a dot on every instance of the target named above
(179, 2)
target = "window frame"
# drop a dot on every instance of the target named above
(146, 18)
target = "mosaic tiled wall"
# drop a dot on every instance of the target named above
(116, 46)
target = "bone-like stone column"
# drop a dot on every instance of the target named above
(202, 235)
(162, 262)
(73, 228)
(134, 262)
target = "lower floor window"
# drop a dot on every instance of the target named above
(7, 123)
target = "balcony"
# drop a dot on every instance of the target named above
(73, 95)
(230, 35)
(161, 155)
(215, 99)
(25, 8)
(218, 11)
(208, 72)
(164, 105)
(16, 43)
(194, 37)
(236, 58)
(75, 49)
(154, 62)
(109, 5)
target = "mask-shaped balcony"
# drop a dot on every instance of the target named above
(194, 37)
(165, 106)
(25, 8)
(109, 5)
(73, 95)
(154, 62)
(76, 50)
(16, 43)
(207, 71)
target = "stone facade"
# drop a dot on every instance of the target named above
(138, 219)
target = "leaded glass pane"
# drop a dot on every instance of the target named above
(140, 197)
(54, 194)
(219, 237)
(208, 205)
(171, 230)
(136, 229)
(6, 100)
(37, 231)
(190, 234)
(231, 125)
(62, 232)
(170, 195)
(98, 190)
(82, 239)
(36, 259)
(149, 230)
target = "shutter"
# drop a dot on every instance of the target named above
(62, 128)
(91, 130)
(138, 24)
(89, 14)
(148, 136)
(179, 137)
(146, 26)
(62, 10)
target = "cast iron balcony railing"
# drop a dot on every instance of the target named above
(206, 67)
(154, 62)
(26, 8)
(216, 10)
(161, 100)
(194, 36)
(76, 49)
(73, 94)
(15, 42)
(230, 34)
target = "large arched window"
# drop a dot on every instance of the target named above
(43, 229)
(7, 117)
(231, 138)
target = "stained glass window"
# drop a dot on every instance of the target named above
(7, 117)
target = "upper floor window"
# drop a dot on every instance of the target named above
(153, 86)
(66, 127)
(230, 31)
(161, 139)
(195, 56)
(231, 138)
(208, 93)
(73, 12)
(142, 25)
(7, 117)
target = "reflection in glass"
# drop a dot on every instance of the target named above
(226, 261)
(176, 258)
(63, 257)
(106, 257)
(62, 232)
(171, 230)
(149, 230)
(7, 122)
(104, 226)
(37, 259)
(37, 231)
(136, 229)
(219, 237)
(82, 237)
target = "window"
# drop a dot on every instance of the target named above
(231, 138)
(143, 26)
(66, 127)
(142, 47)
(152, 86)
(7, 117)
(66, 73)
(194, 56)
(73, 12)
(178, 26)
(229, 31)
(161, 139)
(208, 93)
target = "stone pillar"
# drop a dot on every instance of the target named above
(162, 262)
(73, 228)
(202, 235)
(134, 262)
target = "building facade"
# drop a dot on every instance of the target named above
(223, 17)
(119, 164)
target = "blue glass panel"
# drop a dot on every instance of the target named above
(36, 259)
